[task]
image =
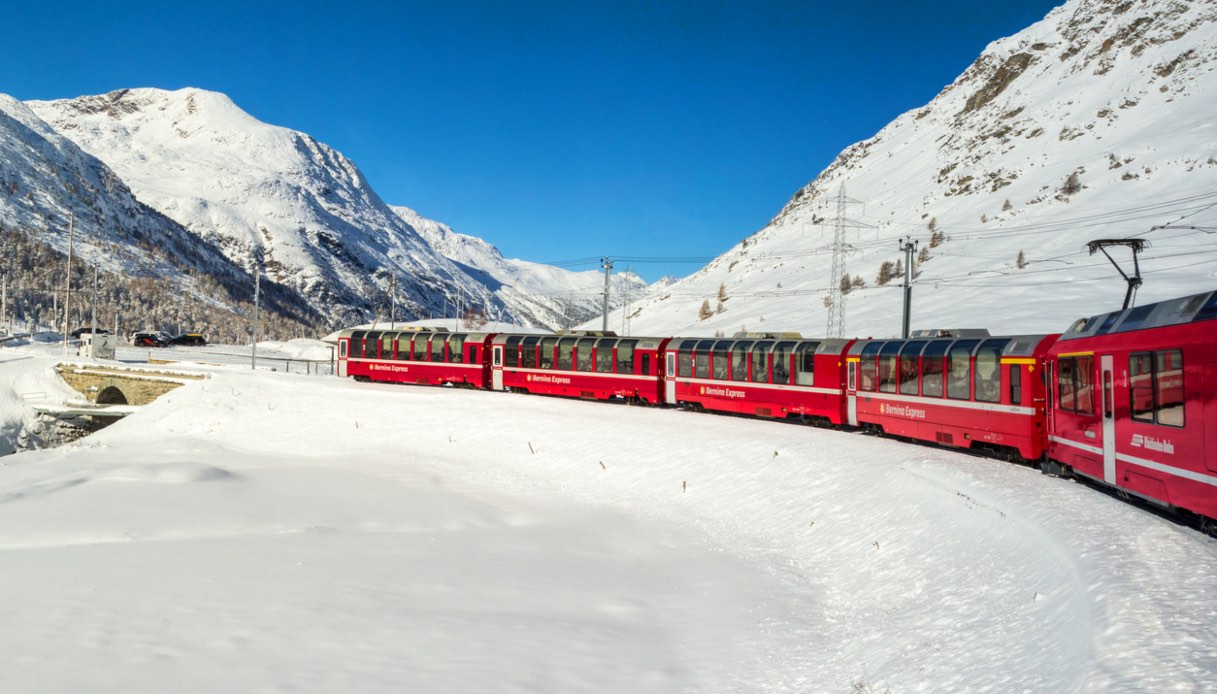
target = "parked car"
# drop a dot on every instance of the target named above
(189, 340)
(86, 329)
(150, 338)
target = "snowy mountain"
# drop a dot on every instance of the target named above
(255, 190)
(536, 294)
(49, 184)
(54, 195)
(260, 190)
(1097, 122)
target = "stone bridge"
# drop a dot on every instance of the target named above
(108, 385)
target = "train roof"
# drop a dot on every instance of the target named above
(1014, 345)
(1188, 309)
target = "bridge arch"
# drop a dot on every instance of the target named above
(111, 395)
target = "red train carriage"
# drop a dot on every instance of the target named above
(426, 356)
(965, 389)
(579, 365)
(1135, 402)
(766, 375)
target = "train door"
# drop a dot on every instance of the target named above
(496, 367)
(851, 392)
(1109, 419)
(344, 344)
(669, 383)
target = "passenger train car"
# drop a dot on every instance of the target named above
(1127, 399)
(759, 374)
(588, 365)
(1134, 402)
(961, 388)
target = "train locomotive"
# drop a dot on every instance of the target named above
(1126, 399)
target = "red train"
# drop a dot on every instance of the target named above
(1127, 399)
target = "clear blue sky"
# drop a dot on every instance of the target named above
(555, 130)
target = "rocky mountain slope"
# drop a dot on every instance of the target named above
(51, 190)
(262, 191)
(1097, 122)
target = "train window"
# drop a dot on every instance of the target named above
(739, 361)
(1134, 318)
(1016, 384)
(403, 346)
(1075, 392)
(868, 372)
(545, 353)
(958, 369)
(1085, 389)
(887, 366)
(528, 352)
(356, 350)
(1108, 400)
(1065, 384)
(511, 351)
(566, 354)
(1141, 386)
(760, 361)
(1208, 311)
(604, 355)
(805, 363)
(437, 347)
(625, 356)
(342, 348)
(1168, 387)
(686, 364)
(386, 345)
(371, 346)
(583, 361)
(646, 363)
(781, 362)
(701, 360)
(1156, 387)
(722, 357)
(988, 370)
(908, 367)
(456, 348)
(931, 368)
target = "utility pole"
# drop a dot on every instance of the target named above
(836, 298)
(392, 302)
(253, 364)
(67, 292)
(625, 315)
(909, 250)
(93, 332)
(607, 264)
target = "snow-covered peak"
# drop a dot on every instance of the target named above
(263, 192)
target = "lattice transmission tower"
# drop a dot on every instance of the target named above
(836, 298)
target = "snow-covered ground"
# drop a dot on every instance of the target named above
(264, 531)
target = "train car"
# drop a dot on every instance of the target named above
(426, 356)
(964, 389)
(766, 375)
(581, 365)
(1134, 402)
